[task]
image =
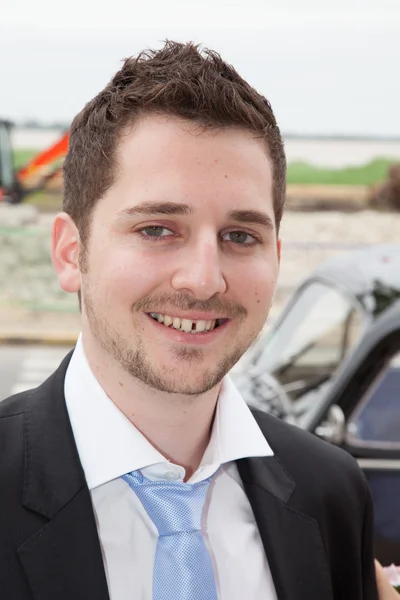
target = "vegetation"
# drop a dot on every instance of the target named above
(374, 172)
(21, 157)
(45, 201)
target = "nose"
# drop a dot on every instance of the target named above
(200, 273)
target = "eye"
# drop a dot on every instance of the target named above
(241, 238)
(155, 231)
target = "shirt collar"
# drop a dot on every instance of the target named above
(109, 445)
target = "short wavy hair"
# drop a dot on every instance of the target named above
(181, 80)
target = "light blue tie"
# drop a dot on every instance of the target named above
(182, 567)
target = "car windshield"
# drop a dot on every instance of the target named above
(311, 341)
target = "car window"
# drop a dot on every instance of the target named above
(376, 420)
(316, 334)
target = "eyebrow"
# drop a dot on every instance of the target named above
(252, 217)
(173, 208)
(157, 208)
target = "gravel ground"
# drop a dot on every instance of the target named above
(27, 277)
(26, 273)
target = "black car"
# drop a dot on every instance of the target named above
(331, 365)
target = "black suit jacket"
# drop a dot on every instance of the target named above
(310, 501)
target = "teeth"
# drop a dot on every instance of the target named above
(200, 326)
(185, 325)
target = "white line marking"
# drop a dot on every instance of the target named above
(38, 375)
(36, 367)
(22, 387)
(34, 364)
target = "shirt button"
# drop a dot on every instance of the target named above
(171, 476)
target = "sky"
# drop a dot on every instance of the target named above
(327, 67)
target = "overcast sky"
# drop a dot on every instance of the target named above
(326, 66)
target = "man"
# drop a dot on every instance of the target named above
(136, 470)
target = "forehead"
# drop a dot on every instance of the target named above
(164, 158)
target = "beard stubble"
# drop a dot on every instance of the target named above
(132, 356)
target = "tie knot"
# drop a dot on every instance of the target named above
(173, 507)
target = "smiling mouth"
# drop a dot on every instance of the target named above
(187, 325)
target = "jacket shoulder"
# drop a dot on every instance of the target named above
(14, 405)
(306, 455)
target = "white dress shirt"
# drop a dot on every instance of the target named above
(109, 446)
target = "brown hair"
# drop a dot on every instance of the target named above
(181, 80)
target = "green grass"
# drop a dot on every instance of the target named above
(45, 201)
(21, 157)
(373, 172)
(299, 172)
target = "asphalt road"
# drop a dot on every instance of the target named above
(25, 367)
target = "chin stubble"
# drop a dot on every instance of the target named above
(135, 362)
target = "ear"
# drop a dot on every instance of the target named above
(278, 249)
(65, 245)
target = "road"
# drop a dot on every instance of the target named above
(25, 367)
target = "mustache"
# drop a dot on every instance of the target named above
(184, 302)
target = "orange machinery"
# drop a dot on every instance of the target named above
(32, 177)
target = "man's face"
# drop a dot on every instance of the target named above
(182, 258)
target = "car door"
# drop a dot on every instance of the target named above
(372, 436)
(362, 415)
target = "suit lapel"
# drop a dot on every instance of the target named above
(291, 539)
(63, 560)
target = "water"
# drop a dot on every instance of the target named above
(340, 153)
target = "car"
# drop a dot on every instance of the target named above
(331, 365)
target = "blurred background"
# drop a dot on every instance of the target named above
(329, 69)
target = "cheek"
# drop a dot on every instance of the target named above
(123, 274)
(256, 286)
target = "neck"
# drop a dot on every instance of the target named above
(177, 425)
